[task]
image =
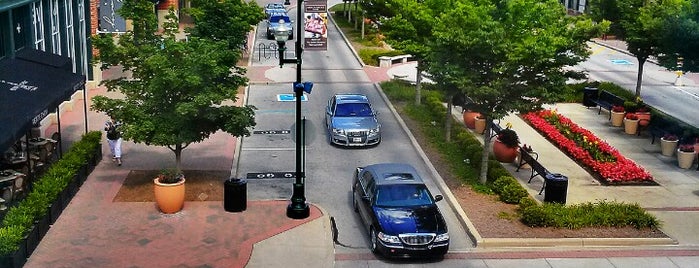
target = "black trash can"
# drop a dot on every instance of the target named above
(556, 189)
(235, 197)
(590, 94)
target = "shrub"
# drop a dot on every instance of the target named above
(508, 137)
(513, 193)
(10, 238)
(500, 183)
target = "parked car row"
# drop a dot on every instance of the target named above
(276, 18)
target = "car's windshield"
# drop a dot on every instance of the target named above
(276, 19)
(402, 195)
(353, 109)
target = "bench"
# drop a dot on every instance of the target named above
(537, 168)
(387, 61)
(495, 128)
(606, 100)
(660, 126)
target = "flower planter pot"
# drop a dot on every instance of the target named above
(503, 153)
(479, 126)
(685, 159)
(643, 118)
(16, 259)
(169, 197)
(617, 119)
(470, 119)
(630, 126)
(667, 148)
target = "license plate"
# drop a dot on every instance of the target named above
(356, 139)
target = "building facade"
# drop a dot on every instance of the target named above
(56, 26)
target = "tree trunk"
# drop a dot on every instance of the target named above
(639, 79)
(486, 152)
(447, 124)
(178, 157)
(418, 82)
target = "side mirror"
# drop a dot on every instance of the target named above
(438, 198)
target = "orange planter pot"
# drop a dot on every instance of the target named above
(479, 126)
(503, 153)
(470, 119)
(169, 197)
(643, 118)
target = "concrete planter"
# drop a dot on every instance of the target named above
(685, 159)
(617, 118)
(630, 126)
(667, 148)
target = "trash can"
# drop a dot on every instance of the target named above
(590, 94)
(235, 197)
(556, 189)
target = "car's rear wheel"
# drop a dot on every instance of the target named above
(374, 241)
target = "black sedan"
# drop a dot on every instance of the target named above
(399, 211)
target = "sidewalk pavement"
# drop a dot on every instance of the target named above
(93, 231)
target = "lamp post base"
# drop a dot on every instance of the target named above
(298, 211)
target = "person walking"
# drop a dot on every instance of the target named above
(114, 140)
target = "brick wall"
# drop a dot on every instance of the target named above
(165, 4)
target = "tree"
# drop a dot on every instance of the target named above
(409, 28)
(680, 39)
(642, 23)
(229, 20)
(601, 10)
(176, 89)
(508, 56)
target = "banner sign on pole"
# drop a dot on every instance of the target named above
(315, 25)
(109, 21)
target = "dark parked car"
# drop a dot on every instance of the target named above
(351, 121)
(398, 211)
(274, 8)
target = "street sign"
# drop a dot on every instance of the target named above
(290, 97)
(271, 175)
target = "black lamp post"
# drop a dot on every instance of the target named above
(298, 209)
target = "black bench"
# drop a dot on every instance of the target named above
(537, 168)
(606, 100)
(661, 125)
(495, 128)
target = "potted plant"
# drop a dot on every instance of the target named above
(469, 117)
(668, 144)
(643, 114)
(631, 123)
(617, 115)
(479, 125)
(685, 155)
(169, 190)
(506, 146)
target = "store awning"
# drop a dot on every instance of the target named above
(29, 91)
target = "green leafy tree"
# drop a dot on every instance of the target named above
(175, 93)
(601, 10)
(508, 56)
(228, 20)
(680, 39)
(642, 22)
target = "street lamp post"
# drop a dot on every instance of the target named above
(298, 208)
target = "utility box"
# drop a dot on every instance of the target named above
(235, 197)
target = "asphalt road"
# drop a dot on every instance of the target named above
(329, 168)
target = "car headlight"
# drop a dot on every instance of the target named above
(375, 130)
(339, 131)
(441, 237)
(392, 239)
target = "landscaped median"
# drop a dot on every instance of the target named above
(604, 161)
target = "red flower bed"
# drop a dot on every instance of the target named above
(583, 146)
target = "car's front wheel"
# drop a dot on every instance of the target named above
(354, 202)
(374, 241)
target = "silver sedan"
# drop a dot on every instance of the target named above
(351, 121)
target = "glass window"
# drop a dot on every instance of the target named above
(55, 28)
(353, 109)
(403, 195)
(38, 23)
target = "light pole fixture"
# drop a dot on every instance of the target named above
(298, 208)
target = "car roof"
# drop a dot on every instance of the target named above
(394, 173)
(277, 16)
(351, 98)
